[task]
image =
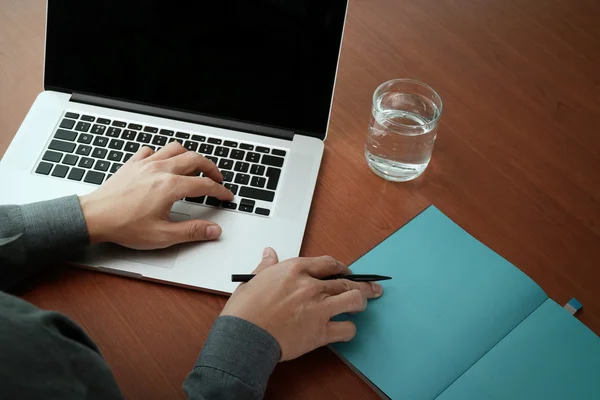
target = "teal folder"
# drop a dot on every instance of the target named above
(458, 321)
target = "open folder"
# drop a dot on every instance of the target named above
(457, 321)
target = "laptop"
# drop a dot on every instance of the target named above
(248, 84)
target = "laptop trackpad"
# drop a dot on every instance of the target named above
(164, 258)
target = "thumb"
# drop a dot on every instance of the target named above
(269, 259)
(192, 231)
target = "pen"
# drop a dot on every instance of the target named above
(353, 277)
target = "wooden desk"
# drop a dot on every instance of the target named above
(517, 163)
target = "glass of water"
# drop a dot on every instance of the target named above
(402, 129)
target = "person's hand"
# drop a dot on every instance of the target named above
(290, 302)
(132, 207)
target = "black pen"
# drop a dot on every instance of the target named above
(353, 277)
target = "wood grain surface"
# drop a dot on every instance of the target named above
(516, 163)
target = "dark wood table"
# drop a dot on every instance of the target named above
(517, 163)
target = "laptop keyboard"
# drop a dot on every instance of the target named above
(90, 149)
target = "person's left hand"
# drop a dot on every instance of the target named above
(132, 207)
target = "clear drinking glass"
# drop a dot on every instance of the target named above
(402, 131)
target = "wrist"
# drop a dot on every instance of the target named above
(96, 219)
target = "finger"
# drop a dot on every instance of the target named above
(321, 267)
(171, 150)
(370, 290)
(343, 331)
(269, 259)
(192, 186)
(352, 301)
(143, 152)
(190, 162)
(190, 231)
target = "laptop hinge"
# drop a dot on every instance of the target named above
(182, 116)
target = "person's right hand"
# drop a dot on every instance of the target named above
(289, 301)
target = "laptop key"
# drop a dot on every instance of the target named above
(116, 144)
(100, 141)
(258, 182)
(253, 157)
(230, 143)
(222, 152)
(225, 163)
(135, 127)
(272, 161)
(98, 129)
(197, 200)
(241, 166)
(115, 156)
(102, 165)
(115, 167)
(94, 177)
(143, 137)
(132, 147)
(199, 138)
(150, 129)
(206, 148)
(67, 123)
(229, 205)
(214, 140)
(85, 138)
(103, 121)
(277, 152)
(113, 132)
(70, 159)
(86, 162)
(72, 115)
(257, 169)
(119, 124)
(62, 146)
(99, 153)
(273, 174)
(83, 150)
(166, 132)
(83, 126)
(247, 205)
(258, 194)
(213, 201)
(88, 118)
(232, 188)
(263, 211)
(43, 168)
(159, 140)
(76, 174)
(191, 146)
(246, 146)
(127, 157)
(182, 135)
(237, 154)
(227, 176)
(128, 134)
(60, 171)
(262, 149)
(242, 179)
(65, 135)
(52, 156)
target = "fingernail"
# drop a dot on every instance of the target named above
(377, 288)
(213, 231)
(267, 252)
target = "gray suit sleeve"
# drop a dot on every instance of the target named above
(236, 362)
(34, 234)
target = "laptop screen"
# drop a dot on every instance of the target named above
(267, 62)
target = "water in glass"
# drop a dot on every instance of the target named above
(401, 135)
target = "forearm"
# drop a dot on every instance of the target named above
(34, 234)
(235, 363)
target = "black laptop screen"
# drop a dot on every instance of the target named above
(267, 62)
